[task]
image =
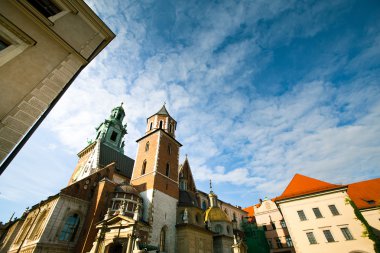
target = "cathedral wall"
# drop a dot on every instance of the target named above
(164, 215)
(65, 207)
(191, 239)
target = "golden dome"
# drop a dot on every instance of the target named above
(215, 214)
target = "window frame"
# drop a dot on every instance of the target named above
(289, 241)
(328, 235)
(347, 234)
(317, 212)
(311, 237)
(301, 215)
(167, 169)
(143, 168)
(18, 40)
(334, 211)
(70, 235)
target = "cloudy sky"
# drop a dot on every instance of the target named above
(261, 90)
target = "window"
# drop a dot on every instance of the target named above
(46, 7)
(170, 128)
(3, 44)
(270, 244)
(167, 172)
(273, 225)
(143, 168)
(118, 116)
(151, 126)
(301, 214)
(69, 229)
(113, 136)
(160, 124)
(218, 228)
(278, 242)
(265, 227)
(283, 224)
(328, 236)
(289, 241)
(347, 234)
(163, 239)
(204, 205)
(147, 147)
(169, 149)
(228, 229)
(317, 213)
(333, 210)
(38, 227)
(311, 237)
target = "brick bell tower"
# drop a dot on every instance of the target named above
(155, 173)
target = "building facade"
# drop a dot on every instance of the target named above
(320, 217)
(113, 203)
(43, 47)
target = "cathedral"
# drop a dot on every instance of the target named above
(114, 203)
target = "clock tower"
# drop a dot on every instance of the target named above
(155, 173)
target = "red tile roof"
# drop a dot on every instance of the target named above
(302, 185)
(365, 194)
(251, 212)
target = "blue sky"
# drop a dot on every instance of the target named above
(261, 90)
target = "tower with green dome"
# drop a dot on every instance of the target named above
(112, 131)
(107, 148)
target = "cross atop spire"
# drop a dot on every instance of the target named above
(210, 186)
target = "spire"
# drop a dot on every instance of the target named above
(163, 110)
(212, 197)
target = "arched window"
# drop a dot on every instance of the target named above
(161, 124)
(69, 228)
(143, 168)
(204, 205)
(167, 171)
(170, 128)
(163, 239)
(151, 126)
(218, 228)
(169, 149)
(24, 229)
(147, 147)
(37, 228)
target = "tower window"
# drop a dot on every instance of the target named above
(170, 128)
(163, 239)
(118, 116)
(143, 168)
(113, 136)
(170, 149)
(161, 124)
(147, 147)
(46, 7)
(151, 126)
(167, 172)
